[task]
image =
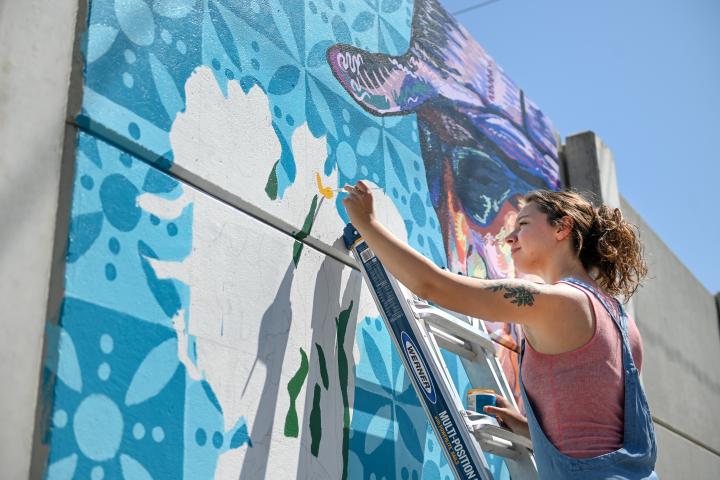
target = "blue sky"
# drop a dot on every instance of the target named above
(645, 76)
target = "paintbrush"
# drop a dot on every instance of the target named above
(343, 189)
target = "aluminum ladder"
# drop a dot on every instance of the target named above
(419, 330)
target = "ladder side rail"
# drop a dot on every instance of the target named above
(496, 440)
(500, 372)
(480, 343)
(456, 437)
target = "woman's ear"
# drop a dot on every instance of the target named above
(564, 227)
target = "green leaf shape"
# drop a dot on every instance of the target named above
(341, 323)
(315, 422)
(297, 250)
(294, 386)
(307, 226)
(323, 366)
(271, 188)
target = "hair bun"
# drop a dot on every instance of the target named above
(601, 238)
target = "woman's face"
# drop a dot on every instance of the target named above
(532, 239)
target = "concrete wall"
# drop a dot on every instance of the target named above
(678, 319)
(211, 321)
(35, 65)
(679, 323)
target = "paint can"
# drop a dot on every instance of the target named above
(477, 398)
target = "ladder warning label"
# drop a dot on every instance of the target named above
(367, 255)
(432, 393)
(454, 444)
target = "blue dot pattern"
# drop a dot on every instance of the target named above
(125, 352)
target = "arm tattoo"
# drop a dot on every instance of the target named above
(518, 295)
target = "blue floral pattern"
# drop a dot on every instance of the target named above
(120, 394)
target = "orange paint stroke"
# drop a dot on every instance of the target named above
(326, 192)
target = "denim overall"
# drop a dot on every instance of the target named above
(634, 460)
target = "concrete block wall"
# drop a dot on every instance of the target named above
(678, 319)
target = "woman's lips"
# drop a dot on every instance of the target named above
(513, 251)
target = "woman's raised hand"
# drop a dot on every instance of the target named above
(359, 204)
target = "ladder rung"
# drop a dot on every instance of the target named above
(448, 323)
(512, 438)
(419, 330)
(453, 344)
(494, 438)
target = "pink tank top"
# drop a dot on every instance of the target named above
(578, 396)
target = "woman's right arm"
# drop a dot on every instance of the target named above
(501, 300)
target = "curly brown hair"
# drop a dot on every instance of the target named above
(602, 238)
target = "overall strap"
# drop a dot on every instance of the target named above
(620, 322)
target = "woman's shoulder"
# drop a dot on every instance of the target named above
(572, 289)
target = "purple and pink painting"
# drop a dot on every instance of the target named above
(483, 142)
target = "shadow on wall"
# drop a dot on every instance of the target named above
(272, 343)
(338, 332)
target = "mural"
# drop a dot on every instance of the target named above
(483, 143)
(196, 341)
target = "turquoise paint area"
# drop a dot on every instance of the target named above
(280, 47)
(107, 257)
(95, 424)
(63, 469)
(121, 395)
(97, 413)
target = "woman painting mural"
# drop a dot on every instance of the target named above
(587, 414)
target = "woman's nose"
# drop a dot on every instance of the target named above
(512, 238)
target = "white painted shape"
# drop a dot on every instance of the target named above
(234, 272)
(227, 141)
(231, 143)
(239, 270)
(170, 270)
(178, 323)
(163, 207)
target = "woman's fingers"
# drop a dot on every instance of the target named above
(494, 410)
(499, 413)
(359, 188)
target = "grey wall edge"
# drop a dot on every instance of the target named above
(590, 168)
(687, 461)
(37, 38)
(56, 291)
(47, 96)
(678, 319)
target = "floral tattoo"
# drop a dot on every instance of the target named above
(520, 296)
